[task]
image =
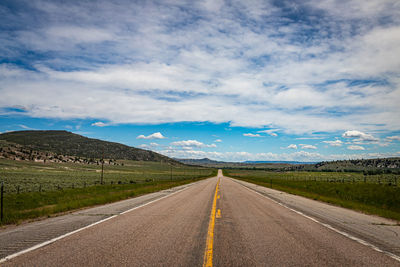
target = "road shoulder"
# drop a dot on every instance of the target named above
(381, 233)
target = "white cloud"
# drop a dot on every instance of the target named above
(218, 140)
(359, 135)
(354, 147)
(246, 156)
(191, 143)
(157, 135)
(251, 135)
(25, 127)
(334, 143)
(292, 146)
(271, 132)
(393, 138)
(99, 124)
(305, 146)
(205, 68)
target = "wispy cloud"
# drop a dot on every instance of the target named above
(393, 138)
(25, 127)
(191, 143)
(292, 146)
(251, 135)
(355, 147)
(99, 124)
(271, 132)
(333, 143)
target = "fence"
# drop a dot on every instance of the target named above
(390, 180)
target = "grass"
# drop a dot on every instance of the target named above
(24, 206)
(121, 182)
(27, 176)
(335, 188)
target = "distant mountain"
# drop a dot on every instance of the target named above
(204, 161)
(281, 162)
(368, 166)
(67, 143)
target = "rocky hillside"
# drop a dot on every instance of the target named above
(63, 144)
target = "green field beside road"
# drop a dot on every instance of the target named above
(374, 194)
(28, 176)
(36, 189)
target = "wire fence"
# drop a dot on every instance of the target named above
(390, 180)
(329, 177)
(27, 186)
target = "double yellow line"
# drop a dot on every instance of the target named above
(208, 253)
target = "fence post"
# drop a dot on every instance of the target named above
(2, 203)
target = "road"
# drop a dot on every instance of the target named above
(215, 222)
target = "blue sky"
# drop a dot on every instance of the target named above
(228, 80)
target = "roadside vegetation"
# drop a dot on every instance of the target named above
(374, 194)
(34, 189)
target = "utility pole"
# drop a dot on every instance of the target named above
(102, 167)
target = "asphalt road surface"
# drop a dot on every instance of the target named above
(216, 222)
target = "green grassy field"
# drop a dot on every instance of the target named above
(375, 195)
(51, 188)
(30, 205)
(27, 176)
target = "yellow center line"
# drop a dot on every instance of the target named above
(218, 216)
(208, 253)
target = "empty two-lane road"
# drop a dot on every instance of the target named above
(230, 226)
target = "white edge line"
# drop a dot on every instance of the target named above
(9, 257)
(361, 241)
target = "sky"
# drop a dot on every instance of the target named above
(231, 80)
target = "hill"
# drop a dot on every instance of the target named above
(368, 166)
(280, 162)
(200, 162)
(70, 144)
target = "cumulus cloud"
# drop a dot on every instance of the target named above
(251, 135)
(292, 146)
(305, 146)
(99, 124)
(355, 147)
(333, 143)
(191, 143)
(157, 135)
(218, 140)
(296, 76)
(359, 135)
